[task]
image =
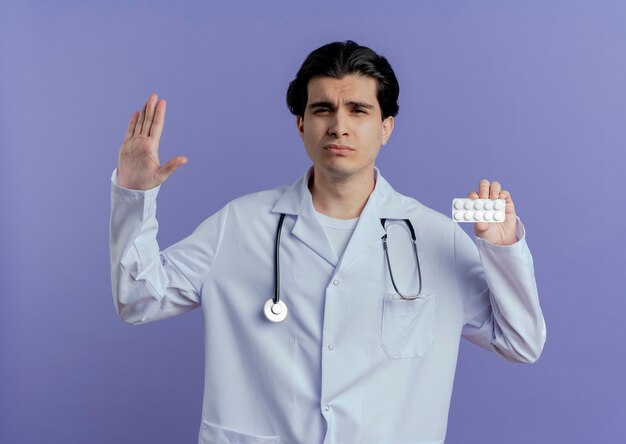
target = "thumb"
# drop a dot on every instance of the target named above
(480, 228)
(172, 165)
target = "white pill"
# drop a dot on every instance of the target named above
(478, 210)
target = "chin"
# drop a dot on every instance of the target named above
(337, 169)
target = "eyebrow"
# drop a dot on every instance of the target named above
(331, 106)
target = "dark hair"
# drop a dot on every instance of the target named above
(337, 60)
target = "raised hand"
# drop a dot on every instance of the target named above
(499, 233)
(138, 163)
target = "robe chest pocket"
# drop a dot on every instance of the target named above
(408, 326)
(214, 434)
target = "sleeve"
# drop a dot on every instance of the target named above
(501, 304)
(149, 284)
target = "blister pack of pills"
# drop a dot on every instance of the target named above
(478, 210)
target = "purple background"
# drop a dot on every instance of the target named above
(530, 93)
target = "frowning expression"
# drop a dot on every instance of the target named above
(342, 128)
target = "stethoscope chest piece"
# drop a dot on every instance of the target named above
(275, 312)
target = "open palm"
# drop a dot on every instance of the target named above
(138, 163)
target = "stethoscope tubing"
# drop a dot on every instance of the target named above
(276, 310)
(417, 260)
(277, 260)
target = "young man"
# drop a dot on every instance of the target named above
(360, 346)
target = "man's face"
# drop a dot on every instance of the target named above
(342, 128)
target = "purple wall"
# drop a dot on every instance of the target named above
(530, 93)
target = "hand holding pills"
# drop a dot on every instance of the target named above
(492, 210)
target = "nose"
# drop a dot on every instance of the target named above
(338, 126)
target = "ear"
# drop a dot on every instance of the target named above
(387, 128)
(300, 125)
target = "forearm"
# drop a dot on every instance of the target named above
(510, 322)
(143, 288)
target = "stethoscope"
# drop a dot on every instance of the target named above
(275, 310)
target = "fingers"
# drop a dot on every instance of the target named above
(509, 207)
(492, 190)
(144, 121)
(159, 119)
(488, 190)
(139, 123)
(149, 116)
(131, 126)
(483, 189)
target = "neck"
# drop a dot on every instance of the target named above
(341, 197)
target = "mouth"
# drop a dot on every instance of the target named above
(338, 149)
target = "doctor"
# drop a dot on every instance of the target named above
(350, 356)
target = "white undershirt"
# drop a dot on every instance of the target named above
(338, 231)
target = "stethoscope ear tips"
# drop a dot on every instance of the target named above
(275, 312)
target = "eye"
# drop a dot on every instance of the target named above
(320, 110)
(359, 111)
